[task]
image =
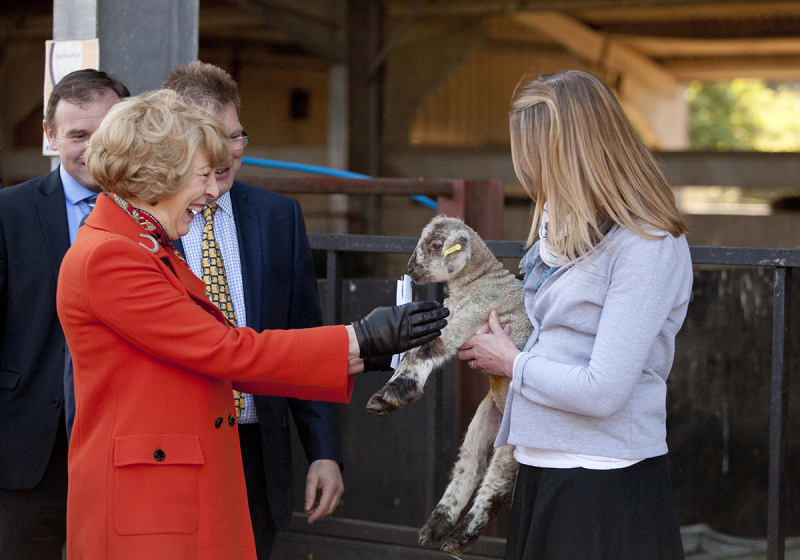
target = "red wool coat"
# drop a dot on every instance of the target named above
(154, 464)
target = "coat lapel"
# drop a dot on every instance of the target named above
(53, 218)
(110, 217)
(251, 247)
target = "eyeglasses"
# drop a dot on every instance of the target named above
(239, 142)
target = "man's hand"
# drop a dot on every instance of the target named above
(323, 474)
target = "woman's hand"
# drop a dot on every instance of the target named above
(354, 363)
(491, 349)
(391, 330)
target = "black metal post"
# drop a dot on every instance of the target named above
(333, 288)
(433, 436)
(778, 413)
(440, 420)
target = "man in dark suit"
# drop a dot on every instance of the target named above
(272, 282)
(38, 222)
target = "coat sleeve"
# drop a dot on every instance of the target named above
(129, 293)
(317, 422)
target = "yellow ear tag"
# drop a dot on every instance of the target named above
(453, 249)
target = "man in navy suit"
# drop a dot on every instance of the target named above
(38, 222)
(273, 285)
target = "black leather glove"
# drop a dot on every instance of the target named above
(378, 363)
(391, 330)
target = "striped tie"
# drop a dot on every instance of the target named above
(90, 201)
(216, 280)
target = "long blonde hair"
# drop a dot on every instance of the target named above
(574, 148)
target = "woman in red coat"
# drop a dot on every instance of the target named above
(154, 464)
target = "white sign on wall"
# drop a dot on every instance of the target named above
(61, 58)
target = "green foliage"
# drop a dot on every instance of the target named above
(744, 114)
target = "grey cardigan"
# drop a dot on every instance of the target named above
(592, 377)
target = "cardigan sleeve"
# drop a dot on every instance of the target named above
(129, 292)
(646, 284)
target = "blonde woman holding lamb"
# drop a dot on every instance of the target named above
(606, 287)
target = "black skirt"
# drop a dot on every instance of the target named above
(582, 514)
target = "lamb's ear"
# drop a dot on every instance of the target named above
(456, 251)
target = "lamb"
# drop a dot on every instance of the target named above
(450, 251)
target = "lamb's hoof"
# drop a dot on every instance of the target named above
(458, 542)
(394, 395)
(377, 407)
(436, 528)
(456, 548)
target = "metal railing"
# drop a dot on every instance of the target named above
(782, 261)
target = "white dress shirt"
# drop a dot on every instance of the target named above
(77, 207)
(225, 234)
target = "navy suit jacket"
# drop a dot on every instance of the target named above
(34, 236)
(280, 292)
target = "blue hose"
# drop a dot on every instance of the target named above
(330, 172)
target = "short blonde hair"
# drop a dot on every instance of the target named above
(574, 148)
(145, 145)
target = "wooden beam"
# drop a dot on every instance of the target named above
(628, 8)
(664, 47)
(335, 537)
(681, 10)
(781, 69)
(314, 28)
(333, 185)
(760, 170)
(597, 48)
(225, 23)
(409, 84)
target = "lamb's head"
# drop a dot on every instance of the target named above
(443, 250)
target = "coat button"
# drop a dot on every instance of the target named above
(159, 455)
(56, 401)
(218, 422)
(231, 420)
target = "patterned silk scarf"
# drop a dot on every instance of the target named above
(147, 221)
(153, 228)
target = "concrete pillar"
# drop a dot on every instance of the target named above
(74, 19)
(339, 116)
(660, 115)
(338, 141)
(140, 40)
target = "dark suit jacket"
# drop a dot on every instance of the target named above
(280, 292)
(34, 236)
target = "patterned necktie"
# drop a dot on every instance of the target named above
(90, 201)
(216, 280)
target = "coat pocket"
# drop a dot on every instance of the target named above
(157, 483)
(8, 379)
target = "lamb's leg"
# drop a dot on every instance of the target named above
(497, 486)
(405, 386)
(467, 472)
